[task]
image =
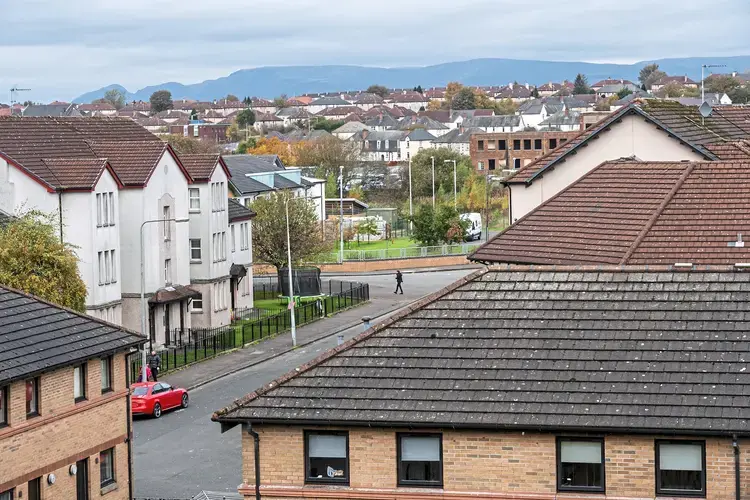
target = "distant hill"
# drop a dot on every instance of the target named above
(272, 81)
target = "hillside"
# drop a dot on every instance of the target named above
(272, 81)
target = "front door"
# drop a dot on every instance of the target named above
(232, 288)
(82, 479)
(167, 307)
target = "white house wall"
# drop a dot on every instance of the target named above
(632, 137)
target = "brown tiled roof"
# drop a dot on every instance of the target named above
(76, 173)
(731, 151)
(134, 161)
(630, 212)
(682, 122)
(201, 167)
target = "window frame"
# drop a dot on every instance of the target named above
(233, 232)
(11, 492)
(516, 144)
(661, 492)
(108, 360)
(196, 309)
(36, 397)
(418, 484)
(103, 483)
(166, 215)
(551, 144)
(98, 209)
(34, 485)
(167, 271)
(102, 272)
(4, 401)
(199, 248)
(480, 145)
(558, 458)
(540, 143)
(314, 480)
(191, 198)
(82, 375)
(525, 143)
(111, 197)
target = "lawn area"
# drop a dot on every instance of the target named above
(280, 303)
(403, 242)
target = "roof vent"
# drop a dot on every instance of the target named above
(683, 265)
(742, 265)
(737, 244)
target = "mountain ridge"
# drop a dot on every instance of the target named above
(271, 81)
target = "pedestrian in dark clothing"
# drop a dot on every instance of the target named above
(154, 362)
(399, 280)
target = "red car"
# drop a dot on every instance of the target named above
(152, 398)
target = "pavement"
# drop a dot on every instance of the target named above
(184, 452)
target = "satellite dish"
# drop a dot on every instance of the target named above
(705, 109)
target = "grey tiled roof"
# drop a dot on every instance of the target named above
(51, 110)
(251, 164)
(330, 101)
(281, 182)
(420, 134)
(36, 336)
(607, 349)
(493, 121)
(238, 211)
(457, 136)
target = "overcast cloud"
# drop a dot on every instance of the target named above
(61, 48)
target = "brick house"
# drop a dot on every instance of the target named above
(572, 382)
(65, 421)
(499, 151)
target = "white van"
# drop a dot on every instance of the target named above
(474, 230)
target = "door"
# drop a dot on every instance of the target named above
(82, 479)
(35, 489)
(171, 395)
(232, 288)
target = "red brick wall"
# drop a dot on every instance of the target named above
(499, 155)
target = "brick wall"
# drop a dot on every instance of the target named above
(66, 431)
(377, 265)
(509, 153)
(475, 464)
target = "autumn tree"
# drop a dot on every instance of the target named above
(115, 97)
(650, 74)
(368, 227)
(327, 154)
(245, 118)
(723, 84)
(421, 172)
(581, 85)
(189, 146)
(274, 146)
(464, 99)
(506, 107)
(33, 260)
(231, 98)
(451, 90)
(380, 90)
(434, 105)
(161, 100)
(269, 230)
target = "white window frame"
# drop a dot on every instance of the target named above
(198, 248)
(167, 271)
(98, 210)
(113, 262)
(223, 245)
(79, 382)
(101, 268)
(194, 308)
(107, 267)
(232, 236)
(196, 199)
(111, 209)
(167, 214)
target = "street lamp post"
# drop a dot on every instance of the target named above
(488, 187)
(411, 209)
(455, 189)
(143, 290)
(341, 216)
(291, 284)
(433, 181)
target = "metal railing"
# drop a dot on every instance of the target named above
(402, 253)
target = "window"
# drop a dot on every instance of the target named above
(98, 210)
(195, 249)
(223, 245)
(480, 145)
(491, 164)
(8, 494)
(580, 464)
(32, 397)
(490, 145)
(367, 144)
(327, 457)
(378, 146)
(107, 467)
(35, 489)
(480, 165)
(166, 215)
(420, 459)
(537, 144)
(167, 271)
(113, 272)
(195, 199)
(196, 131)
(516, 144)
(527, 144)
(4, 405)
(231, 237)
(501, 145)
(105, 210)
(563, 140)
(106, 364)
(102, 272)
(386, 144)
(107, 268)
(552, 143)
(111, 209)
(681, 468)
(244, 236)
(79, 383)
(198, 304)
(516, 163)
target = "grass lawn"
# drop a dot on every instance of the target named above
(403, 242)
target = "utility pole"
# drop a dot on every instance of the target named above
(292, 305)
(433, 181)
(341, 217)
(411, 208)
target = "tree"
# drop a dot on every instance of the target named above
(506, 107)
(189, 146)
(421, 172)
(723, 84)
(672, 89)
(650, 74)
(280, 102)
(464, 99)
(451, 90)
(327, 125)
(740, 95)
(269, 230)
(367, 227)
(380, 90)
(434, 105)
(418, 88)
(581, 85)
(535, 92)
(234, 134)
(161, 100)
(247, 101)
(115, 97)
(327, 154)
(274, 146)
(245, 118)
(231, 98)
(193, 114)
(33, 259)
(356, 192)
(436, 226)
(623, 93)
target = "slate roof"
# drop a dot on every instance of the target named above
(560, 119)
(251, 164)
(612, 349)
(238, 211)
(420, 134)
(201, 166)
(37, 336)
(351, 127)
(386, 121)
(281, 182)
(340, 111)
(330, 101)
(5, 219)
(366, 98)
(458, 135)
(51, 110)
(498, 121)
(629, 212)
(426, 122)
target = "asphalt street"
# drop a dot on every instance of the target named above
(184, 452)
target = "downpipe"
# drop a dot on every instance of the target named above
(736, 446)
(256, 439)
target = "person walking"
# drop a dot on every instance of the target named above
(154, 362)
(399, 280)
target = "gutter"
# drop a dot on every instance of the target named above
(256, 439)
(736, 446)
(129, 429)
(60, 214)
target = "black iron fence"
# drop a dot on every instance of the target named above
(190, 345)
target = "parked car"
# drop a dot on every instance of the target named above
(153, 398)
(474, 229)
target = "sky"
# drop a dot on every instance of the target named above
(62, 48)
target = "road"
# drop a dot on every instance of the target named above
(184, 452)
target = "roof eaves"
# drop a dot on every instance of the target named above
(50, 188)
(220, 415)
